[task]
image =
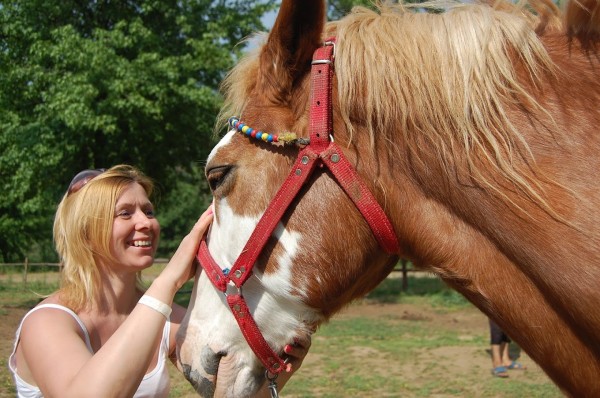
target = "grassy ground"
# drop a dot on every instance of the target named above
(427, 342)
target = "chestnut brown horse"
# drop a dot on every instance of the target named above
(475, 129)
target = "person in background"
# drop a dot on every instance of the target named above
(501, 361)
(101, 334)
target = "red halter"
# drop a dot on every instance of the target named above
(320, 151)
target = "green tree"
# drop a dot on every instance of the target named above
(338, 8)
(88, 84)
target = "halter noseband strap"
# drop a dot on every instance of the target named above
(320, 151)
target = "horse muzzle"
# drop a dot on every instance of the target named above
(216, 374)
(203, 375)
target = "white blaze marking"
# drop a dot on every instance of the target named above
(223, 142)
(281, 315)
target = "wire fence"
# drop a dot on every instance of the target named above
(25, 272)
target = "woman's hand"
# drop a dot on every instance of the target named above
(182, 266)
(296, 353)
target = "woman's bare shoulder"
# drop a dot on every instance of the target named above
(50, 316)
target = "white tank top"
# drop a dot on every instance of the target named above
(155, 384)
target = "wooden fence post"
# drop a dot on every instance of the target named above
(25, 266)
(404, 275)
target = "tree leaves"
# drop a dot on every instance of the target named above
(97, 83)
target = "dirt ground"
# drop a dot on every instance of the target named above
(453, 362)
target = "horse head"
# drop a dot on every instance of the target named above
(295, 283)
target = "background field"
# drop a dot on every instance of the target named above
(425, 342)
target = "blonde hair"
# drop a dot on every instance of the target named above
(83, 228)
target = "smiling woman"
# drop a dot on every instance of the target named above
(91, 217)
(101, 333)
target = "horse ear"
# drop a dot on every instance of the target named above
(286, 56)
(583, 21)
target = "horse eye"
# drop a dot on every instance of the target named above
(216, 176)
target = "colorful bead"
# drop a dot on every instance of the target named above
(260, 135)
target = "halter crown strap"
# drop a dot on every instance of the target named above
(321, 122)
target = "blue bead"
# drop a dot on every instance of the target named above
(269, 138)
(249, 131)
(240, 126)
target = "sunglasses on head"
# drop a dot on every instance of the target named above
(82, 178)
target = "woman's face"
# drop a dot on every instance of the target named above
(135, 230)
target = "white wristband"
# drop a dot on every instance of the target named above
(156, 304)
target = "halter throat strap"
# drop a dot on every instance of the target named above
(321, 151)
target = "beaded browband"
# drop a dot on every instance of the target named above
(286, 138)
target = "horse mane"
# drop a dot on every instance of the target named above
(459, 65)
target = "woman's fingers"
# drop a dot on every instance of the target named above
(296, 353)
(182, 263)
(203, 222)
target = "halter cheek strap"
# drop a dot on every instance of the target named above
(321, 130)
(320, 151)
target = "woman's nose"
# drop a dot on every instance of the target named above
(142, 221)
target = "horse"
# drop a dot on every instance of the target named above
(472, 134)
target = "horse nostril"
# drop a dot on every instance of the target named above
(203, 386)
(210, 360)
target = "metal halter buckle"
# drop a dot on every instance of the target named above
(325, 61)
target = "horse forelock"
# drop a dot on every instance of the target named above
(237, 87)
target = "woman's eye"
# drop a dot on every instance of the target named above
(216, 176)
(124, 214)
(150, 213)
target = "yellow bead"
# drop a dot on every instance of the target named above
(264, 136)
(245, 128)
